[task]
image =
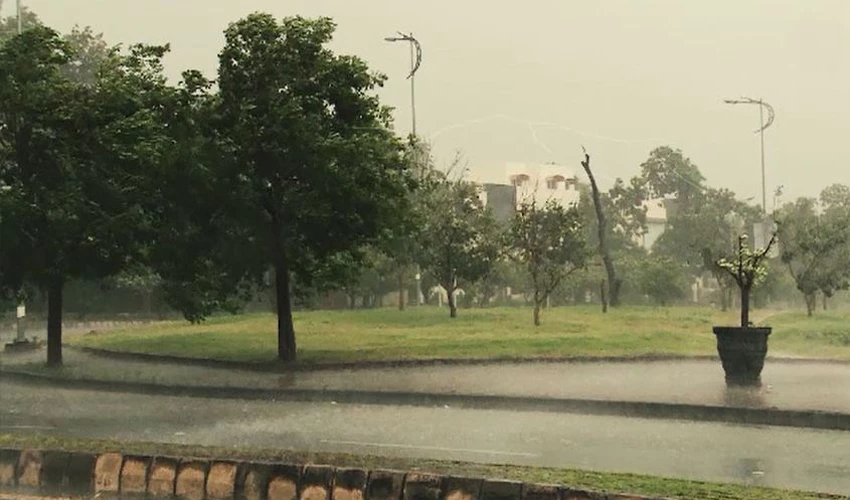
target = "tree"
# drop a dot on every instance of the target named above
(89, 50)
(9, 25)
(816, 246)
(73, 164)
(748, 268)
(458, 244)
(662, 280)
(699, 237)
(316, 170)
(549, 241)
(667, 173)
(614, 282)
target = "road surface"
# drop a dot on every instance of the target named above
(784, 457)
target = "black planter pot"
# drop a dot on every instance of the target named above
(742, 352)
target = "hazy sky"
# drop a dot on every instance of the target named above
(532, 80)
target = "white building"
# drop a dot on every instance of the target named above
(544, 182)
(656, 221)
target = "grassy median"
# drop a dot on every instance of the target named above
(428, 332)
(601, 481)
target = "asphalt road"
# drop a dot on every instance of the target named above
(784, 457)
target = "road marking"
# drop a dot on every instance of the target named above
(28, 427)
(432, 448)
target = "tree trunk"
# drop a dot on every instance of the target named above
(537, 305)
(811, 300)
(54, 322)
(401, 290)
(614, 282)
(285, 330)
(452, 304)
(147, 302)
(745, 307)
(824, 301)
(352, 300)
(724, 300)
(603, 296)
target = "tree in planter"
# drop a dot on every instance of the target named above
(74, 160)
(549, 241)
(748, 268)
(460, 242)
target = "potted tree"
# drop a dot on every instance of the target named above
(742, 349)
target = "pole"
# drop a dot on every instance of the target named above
(20, 22)
(761, 133)
(413, 83)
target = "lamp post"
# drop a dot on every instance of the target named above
(762, 126)
(415, 62)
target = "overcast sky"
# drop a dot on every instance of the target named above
(531, 81)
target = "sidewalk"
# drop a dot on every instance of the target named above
(799, 385)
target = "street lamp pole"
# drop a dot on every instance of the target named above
(762, 126)
(415, 62)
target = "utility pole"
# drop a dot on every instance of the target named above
(20, 21)
(762, 126)
(415, 62)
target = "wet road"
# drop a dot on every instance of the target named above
(794, 458)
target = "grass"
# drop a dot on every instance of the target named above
(427, 332)
(600, 481)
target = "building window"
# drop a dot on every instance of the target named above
(552, 182)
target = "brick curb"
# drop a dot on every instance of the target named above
(673, 411)
(113, 475)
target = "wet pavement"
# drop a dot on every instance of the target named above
(796, 385)
(806, 459)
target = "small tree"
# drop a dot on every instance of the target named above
(458, 243)
(550, 243)
(663, 280)
(748, 268)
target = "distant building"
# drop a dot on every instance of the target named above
(656, 221)
(544, 182)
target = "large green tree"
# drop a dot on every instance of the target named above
(316, 170)
(73, 163)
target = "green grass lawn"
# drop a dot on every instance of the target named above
(428, 332)
(603, 481)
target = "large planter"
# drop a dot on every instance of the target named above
(742, 352)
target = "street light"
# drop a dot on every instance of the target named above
(770, 116)
(415, 62)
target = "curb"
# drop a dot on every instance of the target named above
(672, 411)
(37, 474)
(273, 366)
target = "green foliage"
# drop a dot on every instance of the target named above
(74, 162)
(293, 164)
(814, 243)
(460, 238)
(662, 280)
(9, 25)
(548, 241)
(668, 173)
